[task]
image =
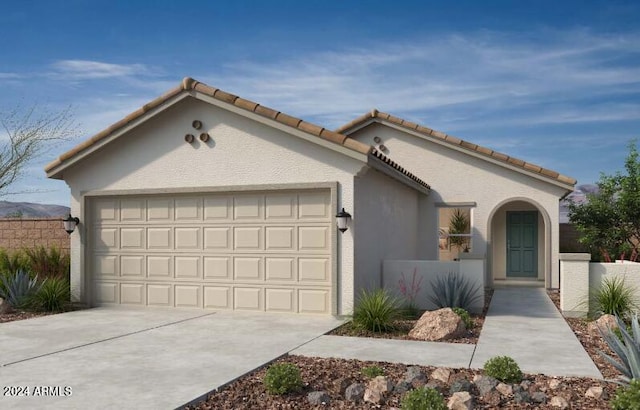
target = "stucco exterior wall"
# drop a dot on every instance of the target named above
(458, 177)
(385, 227)
(240, 152)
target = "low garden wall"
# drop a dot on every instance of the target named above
(426, 272)
(579, 278)
(20, 233)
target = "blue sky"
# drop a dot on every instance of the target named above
(554, 84)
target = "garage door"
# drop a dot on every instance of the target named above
(268, 251)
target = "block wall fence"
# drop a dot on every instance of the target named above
(19, 233)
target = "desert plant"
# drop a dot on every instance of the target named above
(613, 297)
(409, 292)
(18, 288)
(283, 378)
(53, 296)
(423, 398)
(11, 262)
(503, 368)
(453, 290)
(375, 311)
(48, 263)
(372, 371)
(464, 315)
(627, 398)
(627, 349)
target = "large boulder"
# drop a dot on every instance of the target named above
(441, 324)
(5, 307)
(603, 323)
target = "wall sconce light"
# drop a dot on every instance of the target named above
(70, 223)
(342, 219)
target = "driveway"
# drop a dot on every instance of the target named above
(140, 358)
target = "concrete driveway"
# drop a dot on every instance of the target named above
(139, 358)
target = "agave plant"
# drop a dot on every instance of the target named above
(453, 290)
(19, 288)
(627, 349)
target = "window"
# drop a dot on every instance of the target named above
(454, 231)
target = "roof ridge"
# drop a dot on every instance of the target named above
(450, 139)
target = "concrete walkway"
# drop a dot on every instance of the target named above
(521, 322)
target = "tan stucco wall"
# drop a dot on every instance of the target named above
(241, 152)
(384, 225)
(458, 177)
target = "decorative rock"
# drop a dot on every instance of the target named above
(441, 324)
(492, 398)
(354, 392)
(505, 389)
(596, 392)
(539, 397)
(441, 374)
(521, 396)
(377, 389)
(525, 384)
(434, 386)
(414, 375)
(341, 384)
(317, 398)
(5, 307)
(554, 384)
(603, 323)
(402, 387)
(485, 384)
(460, 386)
(460, 401)
(559, 402)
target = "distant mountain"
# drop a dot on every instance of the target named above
(30, 210)
(579, 195)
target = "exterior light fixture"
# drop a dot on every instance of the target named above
(342, 219)
(70, 223)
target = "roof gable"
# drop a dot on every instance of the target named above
(295, 126)
(454, 142)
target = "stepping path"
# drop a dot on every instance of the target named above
(521, 322)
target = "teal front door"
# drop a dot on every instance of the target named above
(522, 244)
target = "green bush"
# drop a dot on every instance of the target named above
(627, 348)
(504, 369)
(627, 398)
(54, 295)
(12, 262)
(464, 315)
(423, 398)
(372, 371)
(283, 378)
(18, 288)
(613, 297)
(375, 311)
(48, 263)
(453, 290)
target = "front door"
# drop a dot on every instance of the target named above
(522, 244)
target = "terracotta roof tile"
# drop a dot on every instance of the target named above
(375, 114)
(189, 84)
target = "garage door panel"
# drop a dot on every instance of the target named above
(159, 266)
(217, 267)
(187, 238)
(132, 293)
(217, 297)
(262, 251)
(159, 295)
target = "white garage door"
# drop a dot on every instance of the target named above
(267, 251)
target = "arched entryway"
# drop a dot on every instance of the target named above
(519, 244)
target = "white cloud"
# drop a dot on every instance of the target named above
(87, 69)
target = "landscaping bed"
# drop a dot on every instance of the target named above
(20, 315)
(402, 327)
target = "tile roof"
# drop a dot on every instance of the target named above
(189, 84)
(527, 166)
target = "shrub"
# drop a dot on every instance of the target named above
(54, 295)
(423, 398)
(409, 292)
(503, 368)
(18, 288)
(627, 398)
(375, 311)
(372, 371)
(464, 315)
(627, 349)
(11, 262)
(613, 297)
(283, 378)
(453, 290)
(48, 263)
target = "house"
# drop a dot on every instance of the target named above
(204, 199)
